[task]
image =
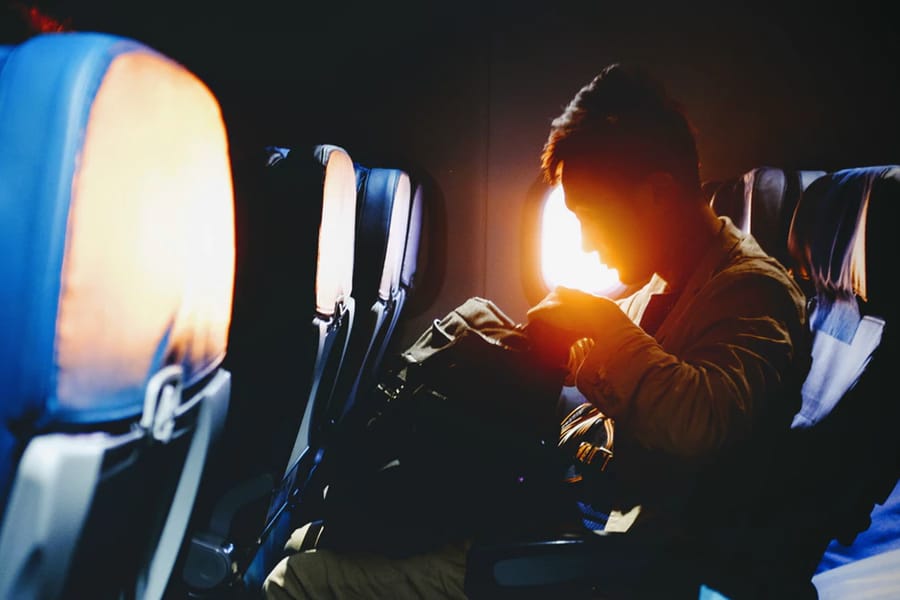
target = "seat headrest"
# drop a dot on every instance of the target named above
(761, 202)
(334, 272)
(310, 223)
(384, 197)
(116, 228)
(413, 239)
(839, 232)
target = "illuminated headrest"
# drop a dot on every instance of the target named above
(383, 197)
(334, 271)
(309, 197)
(116, 228)
(413, 239)
(831, 237)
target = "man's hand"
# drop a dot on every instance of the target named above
(572, 313)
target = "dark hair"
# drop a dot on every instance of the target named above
(623, 123)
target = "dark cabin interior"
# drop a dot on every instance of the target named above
(465, 91)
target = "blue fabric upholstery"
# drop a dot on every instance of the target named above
(845, 430)
(42, 125)
(883, 535)
(47, 90)
(853, 312)
(116, 274)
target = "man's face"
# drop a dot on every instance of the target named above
(614, 221)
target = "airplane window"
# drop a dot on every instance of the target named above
(563, 262)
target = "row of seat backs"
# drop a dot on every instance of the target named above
(117, 265)
(327, 253)
(833, 230)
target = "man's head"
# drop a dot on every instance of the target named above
(627, 159)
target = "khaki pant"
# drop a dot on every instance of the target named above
(325, 574)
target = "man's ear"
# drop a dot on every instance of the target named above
(663, 186)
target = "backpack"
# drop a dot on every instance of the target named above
(458, 439)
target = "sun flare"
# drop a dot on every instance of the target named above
(563, 261)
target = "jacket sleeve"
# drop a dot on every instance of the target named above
(733, 349)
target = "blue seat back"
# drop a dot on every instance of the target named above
(117, 265)
(839, 461)
(293, 315)
(840, 238)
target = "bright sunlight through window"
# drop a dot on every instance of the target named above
(563, 262)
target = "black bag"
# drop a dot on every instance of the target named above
(460, 439)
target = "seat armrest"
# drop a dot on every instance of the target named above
(210, 560)
(573, 563)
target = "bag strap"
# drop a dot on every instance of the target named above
(578, 430)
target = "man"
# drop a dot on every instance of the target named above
(700, 368)
(701, 389)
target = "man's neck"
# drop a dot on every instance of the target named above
(693, 236)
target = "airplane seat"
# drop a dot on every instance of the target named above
(709, 188)
(869, 566)
(839, 460)
(845, 506)
(391, 301)
(761, 202)
(835, 243)
(292, 320)
(384, 209)
(384, 200)
(424, 256)
(387, 244)
(409, 270)
(388, 265)
(117, 266)
(298, 308)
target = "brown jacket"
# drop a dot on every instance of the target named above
(721, 373)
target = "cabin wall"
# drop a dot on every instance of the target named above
(465, 91)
